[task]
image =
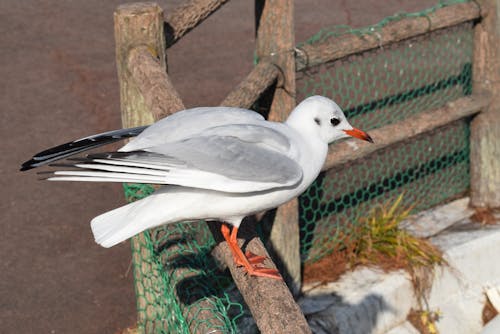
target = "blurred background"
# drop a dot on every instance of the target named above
(58, 83)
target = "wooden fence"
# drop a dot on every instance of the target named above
(147, 94)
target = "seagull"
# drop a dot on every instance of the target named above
(214, 164)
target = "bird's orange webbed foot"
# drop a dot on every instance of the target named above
(248, 261)
(254, 258)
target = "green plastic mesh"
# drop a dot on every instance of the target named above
(378, 88)
(387, 85)
(429, 169)
(179, 288)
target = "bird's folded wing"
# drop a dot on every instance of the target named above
(247, 160)
(191, 122)
(180, 125)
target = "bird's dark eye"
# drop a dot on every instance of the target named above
(335, 121)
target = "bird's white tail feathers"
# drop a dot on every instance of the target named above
(124, 222)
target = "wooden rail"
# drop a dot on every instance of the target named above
(345, 45)
(383, 137)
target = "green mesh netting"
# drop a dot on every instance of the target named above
(179, 288)
(429, 169)
(376, 88)
(387, 85)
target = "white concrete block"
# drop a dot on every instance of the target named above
(364, 301)
(368, 301)
(461, 314)
(430, 222)
(472, 252)
(458, 291)
(492, 327)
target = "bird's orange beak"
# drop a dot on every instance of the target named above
(359, 134)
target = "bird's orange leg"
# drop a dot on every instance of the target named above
(249, 261)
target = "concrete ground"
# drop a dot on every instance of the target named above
(58, 83)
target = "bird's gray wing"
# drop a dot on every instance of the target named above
(191, 122)
(178, 126)
(234, 158)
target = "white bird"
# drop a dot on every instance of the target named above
(217, 164)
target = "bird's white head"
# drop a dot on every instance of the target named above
(320, 116)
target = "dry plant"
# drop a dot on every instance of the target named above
(380, 240)
(377, 240)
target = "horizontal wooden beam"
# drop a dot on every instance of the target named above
(187, 16)
(344, 45)
(352, 149)
(153, 82)
(249, 90)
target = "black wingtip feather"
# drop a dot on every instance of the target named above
(74, 147)
(27, 165)
(62, 165)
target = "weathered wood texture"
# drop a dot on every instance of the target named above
(341, 46)
(137, 24)
(270, 301)
(249, 90)
(346, 151)
(160, 97)
(187, 16)
(275, 43)
(485, 128)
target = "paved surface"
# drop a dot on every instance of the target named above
(58, 83)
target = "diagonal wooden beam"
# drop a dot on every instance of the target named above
(160, 97)
(263, 75)
(187, 16)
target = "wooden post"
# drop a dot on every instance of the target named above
(139, 24)
(275, 43)
(136, 24)
(485, 128)
(147, 95)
